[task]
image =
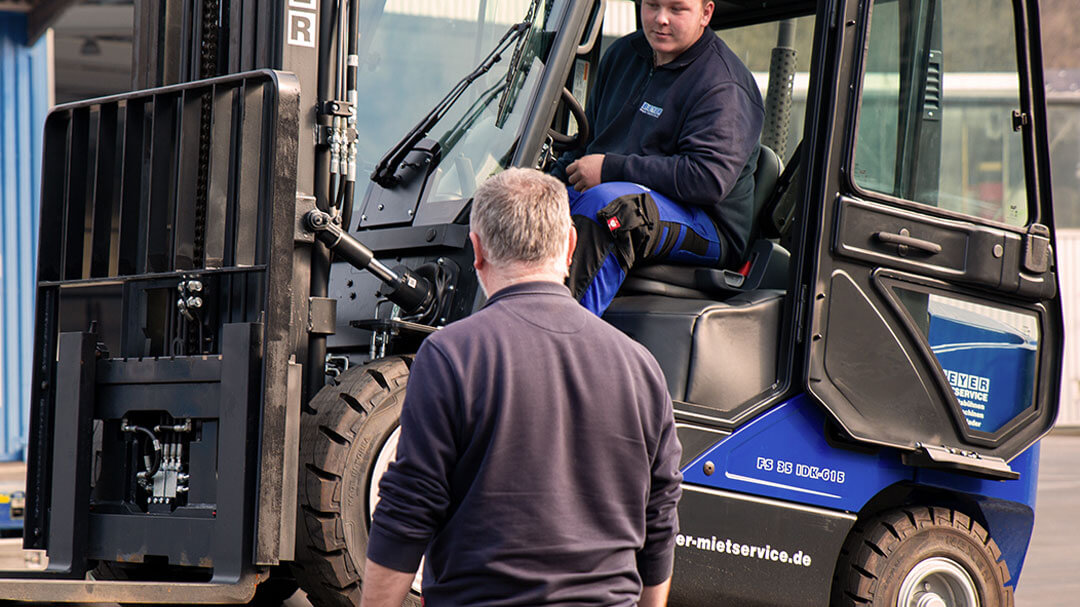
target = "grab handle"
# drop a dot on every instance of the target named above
(585, 47)
(904, 239)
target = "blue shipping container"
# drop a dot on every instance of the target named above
(24, 102)
(989, 364)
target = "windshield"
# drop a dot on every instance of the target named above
(412, 53)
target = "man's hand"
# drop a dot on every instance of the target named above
(584, 172)
(384, 587)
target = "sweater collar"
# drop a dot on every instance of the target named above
(641, 45)
(536, 287)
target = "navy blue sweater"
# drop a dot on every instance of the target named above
(688, 129)
(537, 463)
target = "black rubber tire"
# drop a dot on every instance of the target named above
(880, 552)
(341, 434)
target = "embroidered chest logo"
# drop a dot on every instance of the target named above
(650, 110)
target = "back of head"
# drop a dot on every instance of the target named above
(522, 217)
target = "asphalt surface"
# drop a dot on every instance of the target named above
(1051, 574)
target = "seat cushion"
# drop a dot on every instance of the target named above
(713, 354)
(768, 269)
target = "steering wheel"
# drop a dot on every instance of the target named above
(561, 142)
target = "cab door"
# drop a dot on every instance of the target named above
(934, 324)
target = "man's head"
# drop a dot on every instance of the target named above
(672, 26)
(520, 229)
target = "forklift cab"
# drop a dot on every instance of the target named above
(930, 248)
(902, 279)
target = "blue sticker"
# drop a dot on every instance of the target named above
(651, 110)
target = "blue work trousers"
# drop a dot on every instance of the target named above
(621, 224)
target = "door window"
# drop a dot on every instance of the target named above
(987, 354)
(939, 90)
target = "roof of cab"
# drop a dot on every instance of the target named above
(737, 13)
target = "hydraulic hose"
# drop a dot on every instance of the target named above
(320, 256)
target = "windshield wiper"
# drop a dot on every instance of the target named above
(451, 137)
(386, 171)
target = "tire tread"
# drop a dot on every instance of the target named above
(872, 543)
(332, 421)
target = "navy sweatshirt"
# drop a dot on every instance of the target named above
(688, 129)
(537, 462)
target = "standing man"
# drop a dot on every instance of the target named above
(669, 171)
(538, 462)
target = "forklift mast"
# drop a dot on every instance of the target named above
(177, 292)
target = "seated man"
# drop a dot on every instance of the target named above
(668, 173)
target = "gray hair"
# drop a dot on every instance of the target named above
(522, 216)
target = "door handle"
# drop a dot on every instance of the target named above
(904, 240)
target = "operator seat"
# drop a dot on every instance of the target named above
(713, 331)
(766, 264)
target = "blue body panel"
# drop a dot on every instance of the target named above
(783, 454)
(756, 459)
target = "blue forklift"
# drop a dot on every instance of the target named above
(226, 314)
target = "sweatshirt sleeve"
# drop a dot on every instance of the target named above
(656, 557)
(414, 493)
(718, 136)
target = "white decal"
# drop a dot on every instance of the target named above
(829, 475)
(302, 17)
(973, 392)
(726, 546)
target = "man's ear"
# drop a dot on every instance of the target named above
(572, 245)
(479, 258)
(707, 13)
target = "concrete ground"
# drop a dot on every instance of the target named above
(1049, 579)
(1051, 575)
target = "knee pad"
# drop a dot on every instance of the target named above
(592, 200)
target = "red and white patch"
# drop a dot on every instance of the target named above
(613, 224)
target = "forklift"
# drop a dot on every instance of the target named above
(239, 258)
